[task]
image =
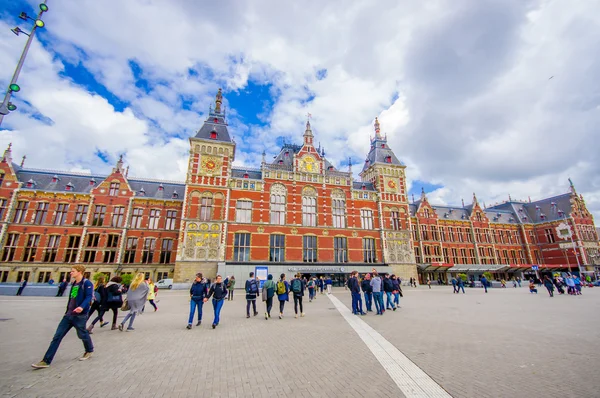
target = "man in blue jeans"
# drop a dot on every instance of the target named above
(376, 285)
(198, 293)
(354, 287)
(218, 291)
(388, 288)
(368, 292)
(78, 306)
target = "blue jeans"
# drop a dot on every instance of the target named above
(397, 299)
(193, 305)
(369, 301)
(67, 322)
(217, 305)
(355, 303)
(389, 300)
(379, 306)
(311, 294)
(460, 287)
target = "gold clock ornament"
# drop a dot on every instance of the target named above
(391, 185)
(210, 164)
(308, 165)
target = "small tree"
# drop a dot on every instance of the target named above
(97, 276)
(488, 275)
(463, 277)
(127, 279)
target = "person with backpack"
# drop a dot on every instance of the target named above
(100, 296)
(367, 292)
(297, 286)
(268, 292)
(218, 291)
(96, 299)
(76, 314)
(251, 294)
(283, 290)
(311, 285)
(151, 293)
(114, 298)
(198, 292)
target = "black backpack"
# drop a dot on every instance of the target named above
(253, 287)
(296, 286)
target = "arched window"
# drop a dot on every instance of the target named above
(278, 201)
(309, 207)
(338, 209)
(206, 204)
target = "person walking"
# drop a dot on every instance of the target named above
(218, 291)
(376, 285)
(136, 299)
(549, 285)
(484, 283)
(367, 292)
(297, 287)
(100, 297)
(62, 287)
(397, 292)
(321, 284)
(328, 283)
(114, 298)
(283, 290)
(577, 283)
(460, 284)
(230, 285)
(429, 283)
(268, 292)
(570, 285)
(151, 293)
(251, 294)
(22, 287)
(519, 281)
(198, 292)
(388, 288)
(354, 286)
(78, 305)
(454, 282)
(532, 288)
(311, 286)
(503, 283)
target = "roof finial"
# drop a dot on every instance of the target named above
(120, 163)
(572, 186)
(218, 101)
(423, 196)
(377, 129)
(127, 171)
(509, 198)
(264, 159)
(23, 161)
(474, 199)
(350, 165)
(413, 198)
(8, 154)
(463, 202)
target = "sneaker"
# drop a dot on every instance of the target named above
(113, 327)
(280, 315)
(199, 322)
(89, 329)
(302, 314)
(214, 325)
(86, 356)
(296, 316)
(256, 313)
(394, 309)
(247, 316)
(120, 327)
(40, 365)
(266, 316)
(102, 324)
(189, 326)
(130, 329)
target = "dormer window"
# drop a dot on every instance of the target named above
(246, 175)
(330, 168)
(69, 186)
(280, 161)
(216, 120)
(114, 189)
(383, 145)
(30, 183)
(213, 135)
(161, 187)
(142, 192)
(388, 159)
(175, 195)
(363, 187)
(54, 178)
(287, 153)
(92, 182)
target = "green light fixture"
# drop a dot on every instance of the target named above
(14, 87)
(11, 107)
(39, 23)
(43, 7)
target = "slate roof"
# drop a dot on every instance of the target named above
(252, 173)
(286, 154)
(539, 211)
(358, 185)
(214, 122)
(56, 181)
(379, 152)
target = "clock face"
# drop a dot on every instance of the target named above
(391, 185)
(210, 164)
(308, 164)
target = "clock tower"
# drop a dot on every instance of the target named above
(203, 227)
(387, 174)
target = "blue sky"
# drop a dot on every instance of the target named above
(462, 92)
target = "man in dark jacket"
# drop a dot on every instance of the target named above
(388, 288)
(218, 291)
(252, 288)
(78, 306)
(22, 287)
(198, 293)
(368, 292)
(62, 287)
(297, 287)
(354, 287)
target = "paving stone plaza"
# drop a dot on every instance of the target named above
(507, 343)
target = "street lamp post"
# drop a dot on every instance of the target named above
(6, 107)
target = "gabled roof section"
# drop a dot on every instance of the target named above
(251, 174)
(215, 125)
(363, 186)
(380, 152)
(285, 157)
(544, 210)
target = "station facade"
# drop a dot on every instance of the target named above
(297, 213)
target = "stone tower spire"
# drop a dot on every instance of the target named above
(377, 129)
(218, 101)
(308, 134)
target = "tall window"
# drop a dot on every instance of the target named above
(148, 250)
(130, 249)
(243, 211)
(2, 208)
(89, 255)
(31, 248)
(340, 249)
(153, 220)
(395, 220)
(136, 217)
(277, 248)
(278, 209)
(309, 211)
(171, 218)
(369, 254)
(110, 254)
(72, 249)
(40, 213)
(338, 210)
(309, 249)
(424, 233)
(99, 213)
(51, 248)
(10, 247)
(61, 214)
(241, 247)
(114, 189)
(366, 219)
(206, 204)
(118, 216)
(165, 251)
(549, 235)
(80, 214)
(20, 211)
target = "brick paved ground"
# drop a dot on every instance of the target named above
(506, 343)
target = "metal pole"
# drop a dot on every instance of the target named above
(573, 243)
(19, 66)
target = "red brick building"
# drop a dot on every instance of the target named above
(297, 213)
